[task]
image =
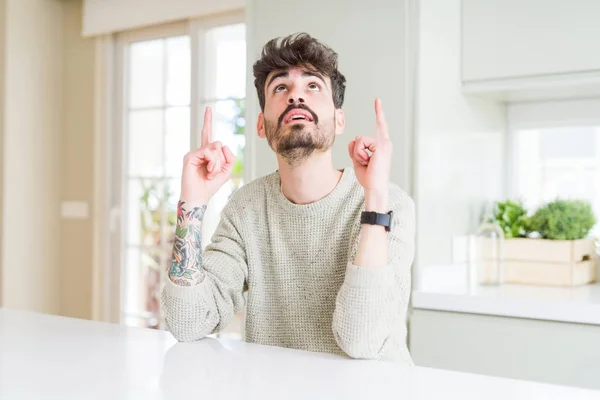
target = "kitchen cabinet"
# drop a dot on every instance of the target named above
(515, 45)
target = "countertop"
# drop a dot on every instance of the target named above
(445, 288)
(45, 356)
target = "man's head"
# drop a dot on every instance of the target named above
(301, 93)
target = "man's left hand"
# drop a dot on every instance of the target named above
(372, 158)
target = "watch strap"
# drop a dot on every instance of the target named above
(375, 218)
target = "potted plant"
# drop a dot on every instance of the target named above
(551, 247)
(512, 218)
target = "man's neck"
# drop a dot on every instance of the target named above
(310, 181)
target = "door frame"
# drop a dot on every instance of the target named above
(110, 88)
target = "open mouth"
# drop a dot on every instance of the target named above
(296, 116)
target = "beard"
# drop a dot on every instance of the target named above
(297, 142)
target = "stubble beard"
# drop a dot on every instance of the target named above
(300, 141)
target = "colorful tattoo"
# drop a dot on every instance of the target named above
(182, 282)
(186, 266)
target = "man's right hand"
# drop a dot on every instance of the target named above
(205, 169)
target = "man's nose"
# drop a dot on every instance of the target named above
(295, 96)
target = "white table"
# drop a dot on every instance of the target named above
(59, 358)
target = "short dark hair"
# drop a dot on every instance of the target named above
(299, 50)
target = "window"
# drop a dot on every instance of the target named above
(168, 75)
(156, 134)
(559, 162)
(223, 60)
(558, 158)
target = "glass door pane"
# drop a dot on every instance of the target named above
(146, 73)
(225, 73)
(145, 147)
(223, 87)
(157, 132)
(177, 140)
(157, 129)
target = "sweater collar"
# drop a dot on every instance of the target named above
(331, 200)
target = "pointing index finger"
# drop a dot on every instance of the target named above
(382, 128)
(207, 127)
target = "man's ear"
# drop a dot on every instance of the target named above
(340, 122)
(260, 126)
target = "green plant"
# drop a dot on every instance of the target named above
(239, 120)
(239, 124)
(511, 216)
(563, 220)
(238, 166)
(155, 196)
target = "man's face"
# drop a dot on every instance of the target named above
(299, 116)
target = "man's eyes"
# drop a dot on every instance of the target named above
(311, 86)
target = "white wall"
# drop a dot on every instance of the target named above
(2, 83)
(460, 140)
(371, 44)
(31, 164)
(108, 16)
(77, 164)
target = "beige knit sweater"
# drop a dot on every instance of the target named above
(295, 261)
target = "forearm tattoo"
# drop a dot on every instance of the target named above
(186, 265)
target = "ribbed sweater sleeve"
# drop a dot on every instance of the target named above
(370, 311)
(192, 312)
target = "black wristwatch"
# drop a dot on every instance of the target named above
(374, 218)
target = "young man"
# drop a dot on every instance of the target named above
(324, 254)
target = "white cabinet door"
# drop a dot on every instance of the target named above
(508, 39)
(543, 351)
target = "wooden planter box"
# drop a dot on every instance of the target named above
(545, 262)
